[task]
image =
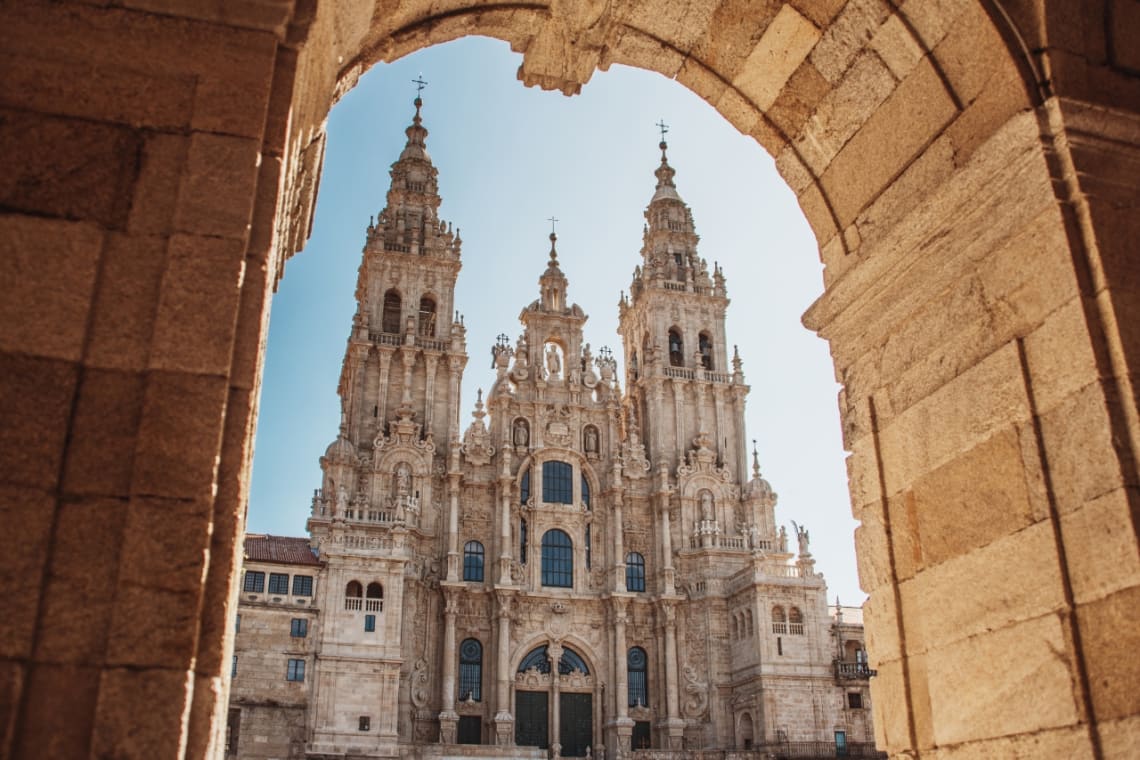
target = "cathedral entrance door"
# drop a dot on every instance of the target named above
(531, 719)
(576, 723)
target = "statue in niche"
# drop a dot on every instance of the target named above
(403, 480)
(706, 506)
(341, 500)
(783, 539)
(553, 361)
(522, 432)
(591, 440)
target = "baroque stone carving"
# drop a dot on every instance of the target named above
(418, 682)
(696, 693)
(477, 447)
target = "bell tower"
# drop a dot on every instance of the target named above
(679, 380)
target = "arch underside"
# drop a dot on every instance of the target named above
(968, 169)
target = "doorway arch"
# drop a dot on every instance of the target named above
(942, 172)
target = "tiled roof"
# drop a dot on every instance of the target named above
(260, 547)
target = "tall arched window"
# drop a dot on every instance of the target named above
(587, 546)
(636, 677)
(522, 541)
(427, 317)
(471, 670)
(353, 592)
(676, 349)
(374, 598)
(524, 488)
(706, 351)
(390, 321)
(557, 559)
(473, 561)
(795, 621)
(634, 572)
(557, 483)
(585, 491)
(779, 620)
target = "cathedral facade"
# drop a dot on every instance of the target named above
(590, 566)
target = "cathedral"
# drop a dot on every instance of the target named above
(589, 566)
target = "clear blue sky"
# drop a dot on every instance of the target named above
(509, 157)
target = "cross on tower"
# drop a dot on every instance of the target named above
(552, 220)
(663, 127)
(419, 83)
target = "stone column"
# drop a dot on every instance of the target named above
(674, 724)
(662, 497)
(617, 529)
(453, 528)
(504, 721)
(505, 516)
(448, 719)
(554, 652)
(430, 360)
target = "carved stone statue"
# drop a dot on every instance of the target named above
(521, 433)
(403, 480)
(783, 539)
(341, 500)
(553, 361)
(804, 538)
(591, 440)
(706, 506)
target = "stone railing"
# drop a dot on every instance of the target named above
(853, 671)
(768, 751)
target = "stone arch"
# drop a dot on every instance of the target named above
(744, 731)
(979, 166)
(391, 315)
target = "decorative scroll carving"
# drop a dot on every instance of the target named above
(418, 683)
(702, 459)
(696, 694)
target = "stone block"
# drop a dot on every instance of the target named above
(880, 618)
(737, 110)
(932, 19)
(27, 515)
(131, 96)
(69, 168)
(156, 192)
(818, 213)
(701, 79)
(207, 728)
(1123, 32)
(780, 51)
(216, 194)
(198, 305)
(843, 112)
(898, 131)
(263, 223)
(892, 714)
(902, 509)
(53, 691)
(1000, 100)
(799, 99)
(1109, 639)
(48, 269)
(179, 436)
(821, 12)
(36, 397)
(1060, 356)
(1013, 680)
(166, 544)
(1079, 450)
(1101, 546)
(954, 418)
(863, 475)
(81, 582)
(1070, 742)
(1118, 738)
(152, 627)
(847, 36)
(12, 677)
(973, 500)
(140, 713)
(897, 47)
(793, 170)
(873, 551)
(100, 454)
(998, 596)
(122, 324)
(734, 28)
(972, 54)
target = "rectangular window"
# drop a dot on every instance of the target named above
(299, 629)
(254, 581)
(233, 731)
(365, 723)
(296, 671)
(237, 623)
(855, 700)
(279, 583)
(302, 585)
(557, 483)
(470, 729)
(233, 667)
(369, 623)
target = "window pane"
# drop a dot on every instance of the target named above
(634, 572)
(638, 684)
(369, 623)
(473, 561)
(255, 582)
(302, 585)
(278, 583)
(557, 559)
(557, 483)
(471, 670)
(585, 491)
(295, 671)
(522, 541)
(299, 628)
(524, 488)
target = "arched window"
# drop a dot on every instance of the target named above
(473, 561)
(390, 321)
(353, 592)
(676, 349)
(587, 546)
(557, 559)
(557, 483)
(471, 670)
(374, 598)
(538, 659)
(706, 351)
(634, 572)
(585, 491)
(427, 317)
(522, 541)
(795, 620)
(636, 677)
(524, 487)
(779, 620)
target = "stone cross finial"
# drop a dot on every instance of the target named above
(420, 84)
